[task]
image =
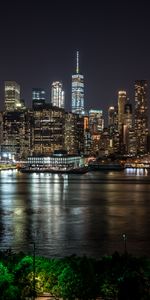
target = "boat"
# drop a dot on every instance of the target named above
(108, 166)
(137, 166)
(78, 170)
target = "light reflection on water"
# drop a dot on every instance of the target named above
(82, 214)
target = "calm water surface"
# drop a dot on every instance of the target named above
(81, 214)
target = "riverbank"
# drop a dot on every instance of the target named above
(4, 167)
(117, 276)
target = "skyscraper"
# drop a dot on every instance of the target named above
(57, 95)
(122, 99)
(38, 94)
(112, 117)
(77, 90)
(38, 97)
(12, 95)
(128, 129)
(128, 116)
(141, 115)
(113, 128)
(96, 121)
(48, 129)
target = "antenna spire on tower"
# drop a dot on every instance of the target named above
(77, 66)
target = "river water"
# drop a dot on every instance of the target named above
(75, 214)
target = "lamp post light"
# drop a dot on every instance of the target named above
(125, 242)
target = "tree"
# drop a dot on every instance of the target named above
(68, 284)
(23, 276)
(8, 291)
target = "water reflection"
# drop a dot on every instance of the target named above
(137, 171)
(82, 214)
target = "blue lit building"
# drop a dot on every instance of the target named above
(77, 90)
(38, 97)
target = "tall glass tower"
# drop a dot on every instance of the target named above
(141, 114)
(38, 97)
(57, 95)
(38, 94)
(122, 100)
(12, 95)
(77, 90)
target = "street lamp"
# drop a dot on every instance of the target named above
(125, 243)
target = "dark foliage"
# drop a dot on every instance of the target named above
(118, 277)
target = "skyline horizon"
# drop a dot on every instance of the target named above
(28, 102)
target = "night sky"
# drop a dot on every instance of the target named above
(39, 43)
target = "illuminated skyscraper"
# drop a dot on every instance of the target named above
(74, 133)
(77, 90)
(141, 115)
(38, 97)
(113, 128)
(57, 95)
(48, 129)
(38, 94)
(96, 126)
(122, 99)
(128, 140)
(12, 95)
(112, 117)
(96, 121)
(128, 116)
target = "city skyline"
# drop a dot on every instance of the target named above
(38, 48)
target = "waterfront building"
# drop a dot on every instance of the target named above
(57, 95)
(47, 129)
(141, 115)
(59, 161)
(77, 90)
(16, 133)
(12, 95)
(74, 133)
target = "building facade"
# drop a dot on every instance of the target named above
(57, 95)
(38, 97)
(122, 99)
(96, 121)
(12, 95)
(113, 129)
(141, 115)
(47, 129)
(74, 133)
(16, 134)
(77, 90)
